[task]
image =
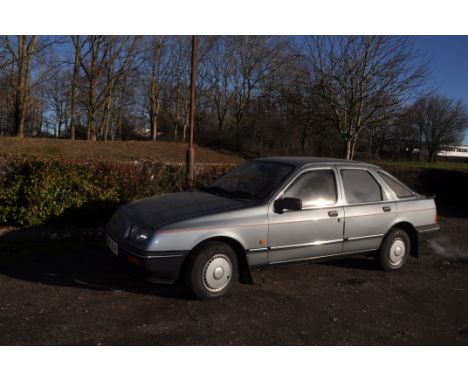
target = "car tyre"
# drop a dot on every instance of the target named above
(212, 270)
(394, 250)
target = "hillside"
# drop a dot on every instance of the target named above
(50, 148)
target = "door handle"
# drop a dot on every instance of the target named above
(333, 214)
(386, 209)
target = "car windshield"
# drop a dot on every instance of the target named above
(253, 180)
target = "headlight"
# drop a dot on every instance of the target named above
(138, 234)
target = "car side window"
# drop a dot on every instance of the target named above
(399, 189)
(315, 188)
(360, 186)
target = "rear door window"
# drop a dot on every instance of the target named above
(360, 187)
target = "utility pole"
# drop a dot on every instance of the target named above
(190, 155)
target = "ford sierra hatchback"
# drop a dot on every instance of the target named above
(271, 211)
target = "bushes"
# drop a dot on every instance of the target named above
(449, 186)
(33, 192)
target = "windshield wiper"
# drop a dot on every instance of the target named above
(215, 190)
(245, 194)
(234, 194)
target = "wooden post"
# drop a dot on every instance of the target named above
(190, 155)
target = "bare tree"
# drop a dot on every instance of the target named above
(442, 122)
(406, 135)
(77, 44)
(361, 76)
(262, 94)
(219, 72)
(56, 95)
(121, 56)
(21, 49)
(104, 60)
(93, 61)
(255, 58)
(179, 83)
(156, 58)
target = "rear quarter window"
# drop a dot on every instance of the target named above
(400, 190)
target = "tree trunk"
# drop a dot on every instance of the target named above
(303, 139)
(154, 111)
(186, 120)
(107, 114)
(92, 127)
(76, 73)
(348, 148)
(176, 124)
(18, 118)
(92, 111)
(238, 131)
(20, 96)
(154, 123)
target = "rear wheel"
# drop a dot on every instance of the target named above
(212, 270)
(394, 250)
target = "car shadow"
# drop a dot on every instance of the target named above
(361, 263)
(85, 263)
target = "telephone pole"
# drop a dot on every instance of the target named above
(190, 155)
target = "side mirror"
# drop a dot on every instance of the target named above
(292, 204)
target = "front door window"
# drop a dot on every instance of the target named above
(315, 189)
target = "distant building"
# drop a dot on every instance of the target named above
(454, 151)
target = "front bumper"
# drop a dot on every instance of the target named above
(428, 232)
(156, 267)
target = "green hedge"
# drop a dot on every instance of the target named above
(449, 186)
(33, 192)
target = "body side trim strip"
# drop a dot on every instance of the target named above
(312, 244)
(364, 237)
(428, 228)
(324, 256)
(257, 249)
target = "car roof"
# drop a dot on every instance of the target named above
(304, 161)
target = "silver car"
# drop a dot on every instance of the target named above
(271, 211)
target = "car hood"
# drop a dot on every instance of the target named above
(161, 210)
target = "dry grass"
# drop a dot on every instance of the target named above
(168, 152)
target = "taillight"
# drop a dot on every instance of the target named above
(436, 218)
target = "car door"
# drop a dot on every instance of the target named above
(369, 210)
(314, 231)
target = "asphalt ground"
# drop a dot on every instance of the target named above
(73, 292)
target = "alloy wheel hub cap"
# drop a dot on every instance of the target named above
(397, 251)
(217, 273)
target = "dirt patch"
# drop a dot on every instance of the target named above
(63, 292)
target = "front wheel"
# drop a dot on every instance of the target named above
(212, 270)
(394, 250)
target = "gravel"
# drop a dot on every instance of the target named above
(72, 292)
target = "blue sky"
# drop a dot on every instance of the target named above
(449, 64)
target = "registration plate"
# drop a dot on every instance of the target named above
(114, 247)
